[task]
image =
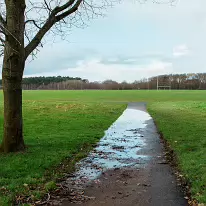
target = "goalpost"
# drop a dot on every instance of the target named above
(163, 86)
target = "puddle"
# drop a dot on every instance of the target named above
(117, 149)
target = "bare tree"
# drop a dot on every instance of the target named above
(23, 25)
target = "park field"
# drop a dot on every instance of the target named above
(62, 126)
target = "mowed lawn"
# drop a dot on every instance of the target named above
(63, 125)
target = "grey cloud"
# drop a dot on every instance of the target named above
(57, 61)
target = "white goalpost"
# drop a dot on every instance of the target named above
(162, 86)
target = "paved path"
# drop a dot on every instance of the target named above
(126, 168)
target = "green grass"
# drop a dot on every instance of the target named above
(53, 131)
(65, 124)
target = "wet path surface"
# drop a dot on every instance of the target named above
(126, 168)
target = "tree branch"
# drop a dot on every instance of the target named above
(57, 14)
(2, 30)
(70, 11)
(63, 7)
(2, 40)
(38, 37)
(2, 21)
(2, 24)
(34, 22)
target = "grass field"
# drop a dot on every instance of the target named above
(65, 124)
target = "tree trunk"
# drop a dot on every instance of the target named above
(13, 131)
(12, 72)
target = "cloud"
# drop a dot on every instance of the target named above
(140, 59)
(95, 70)
(181, 50)
(149, 39)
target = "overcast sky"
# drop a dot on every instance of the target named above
(133, 41)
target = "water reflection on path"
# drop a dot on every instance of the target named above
(118, 148)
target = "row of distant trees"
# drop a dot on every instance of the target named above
(190, 81)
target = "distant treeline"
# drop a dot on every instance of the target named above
(190, 81)
(47, 80)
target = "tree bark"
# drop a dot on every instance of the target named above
(12, 72)
(13, 121)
